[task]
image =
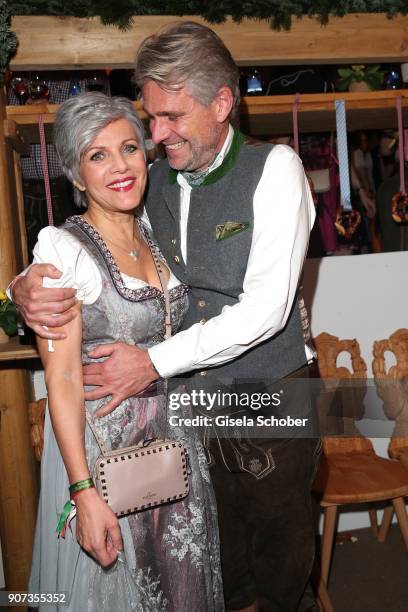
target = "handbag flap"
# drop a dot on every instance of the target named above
(144, 478)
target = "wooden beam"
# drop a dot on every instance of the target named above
(21, 237)
(64, 43)
(15, 138)
(267, 115)
(18, 469)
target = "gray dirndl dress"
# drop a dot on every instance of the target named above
(171, 560)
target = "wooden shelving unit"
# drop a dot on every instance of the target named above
(270, 115)
(13, 351)
(261, 115)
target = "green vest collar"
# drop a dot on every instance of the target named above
(228, 162)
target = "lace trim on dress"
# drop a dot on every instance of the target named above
(133, 295)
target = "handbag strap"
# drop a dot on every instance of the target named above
(163, 284)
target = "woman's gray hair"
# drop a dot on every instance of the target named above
(190, 54)
(79, 120)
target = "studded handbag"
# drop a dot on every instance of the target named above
(141, 477)
(147, 475)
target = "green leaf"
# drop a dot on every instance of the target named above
(9, 324)
(343, 84)
(344, 72)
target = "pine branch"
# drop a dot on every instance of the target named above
(8, 40)
(278, 13)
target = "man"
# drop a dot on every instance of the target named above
(233, 222)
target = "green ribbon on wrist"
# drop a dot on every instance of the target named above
(63, 516)
(88, 483)
(69, 506)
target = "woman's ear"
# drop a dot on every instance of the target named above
(79, 186)
(224, 101)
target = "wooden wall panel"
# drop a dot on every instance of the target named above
(18, 469)
(66, 42)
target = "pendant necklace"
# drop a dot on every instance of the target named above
(133, 253)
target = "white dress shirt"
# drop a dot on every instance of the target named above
(284, 214)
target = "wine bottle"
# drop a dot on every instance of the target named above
(25, 334)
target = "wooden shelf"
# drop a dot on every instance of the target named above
(262, 115)
(66, 43)
(270, 115)
(13, 351)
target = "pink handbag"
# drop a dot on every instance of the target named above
(147, 475)
(141, 477)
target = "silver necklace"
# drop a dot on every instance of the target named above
(133, 253)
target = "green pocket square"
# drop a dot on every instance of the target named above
(230, 228)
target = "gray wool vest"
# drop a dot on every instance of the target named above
(215, 269)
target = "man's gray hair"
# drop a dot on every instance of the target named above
(190, 54)
(79, 120)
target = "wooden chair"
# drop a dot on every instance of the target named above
(392, 388)
(351, 472)
(398, 450)
(36, 417)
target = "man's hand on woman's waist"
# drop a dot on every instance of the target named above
(127, 371)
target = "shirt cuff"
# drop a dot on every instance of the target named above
(163, 360)
(154, 362)
(9, 290)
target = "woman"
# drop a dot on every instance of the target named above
(160, 559)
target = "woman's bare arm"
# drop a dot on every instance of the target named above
(97, 526)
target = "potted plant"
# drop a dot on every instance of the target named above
(8, 318)
(359, 77)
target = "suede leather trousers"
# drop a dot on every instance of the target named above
(266, 527)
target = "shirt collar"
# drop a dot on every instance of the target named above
(219, 158)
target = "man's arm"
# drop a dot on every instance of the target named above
(39, 305)
(283, 217)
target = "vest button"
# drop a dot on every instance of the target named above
(203, 373)
(176, 259)
(201, 303)
(173, 241)
(202, 321)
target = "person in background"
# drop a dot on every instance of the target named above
(363, 162)
(384, 156)
(394, 235)
(366, 238)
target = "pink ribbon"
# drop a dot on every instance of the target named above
(401, 145)
(295, 105)
(44, 165)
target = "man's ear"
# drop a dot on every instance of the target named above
(79, 186)
(223, 101)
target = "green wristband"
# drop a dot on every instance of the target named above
(81, 485)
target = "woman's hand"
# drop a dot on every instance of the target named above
(97, 527)
(368, 203)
